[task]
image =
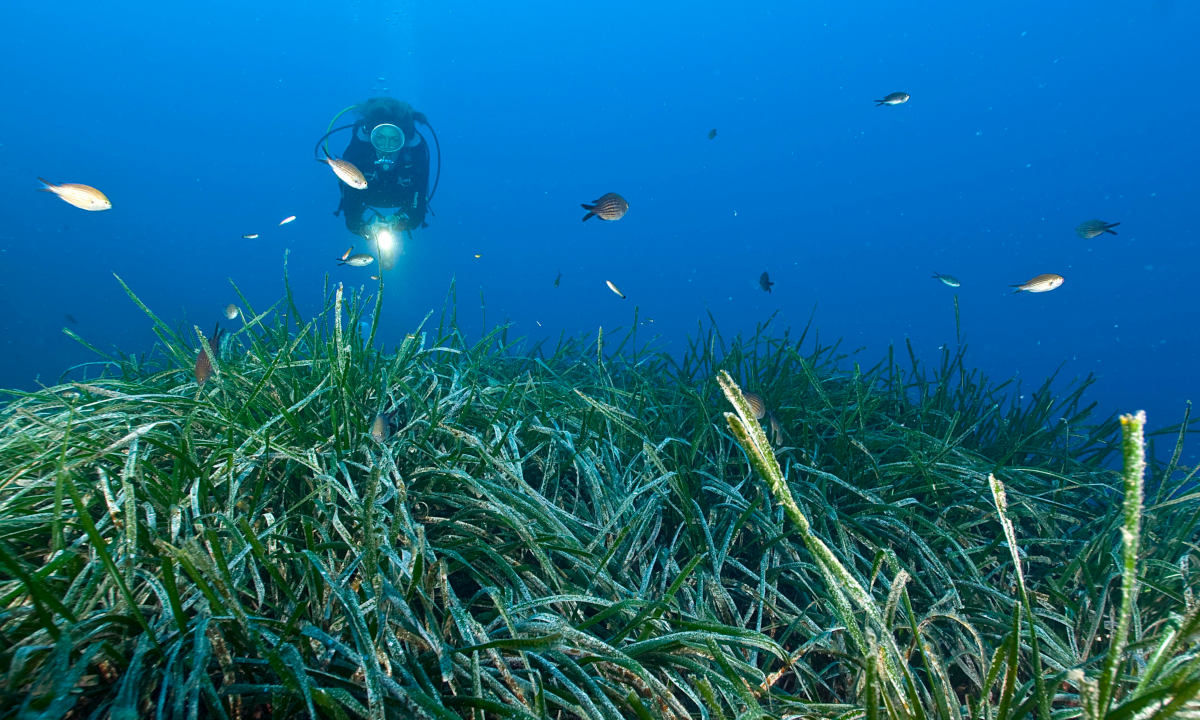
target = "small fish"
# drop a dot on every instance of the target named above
(948, 280)
(477, 256)
(380, 427)
(347, 253)
(558, 278)
(776, 429)
(84, 197)
(204, 366)
(764, 281)
(1042, 283)
(231, 311)
(346, 171)
(712, 134)
(374, 277)
(896, 98)
(250, 236)
(612, 287)
(757, 406)
(609, 206)
(1094, 228)
(359, 260)
(70, 318)
(287, 220)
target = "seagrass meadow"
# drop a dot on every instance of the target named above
(586, 530)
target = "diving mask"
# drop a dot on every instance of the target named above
(387, 139)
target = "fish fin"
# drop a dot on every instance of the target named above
(589, 208)
(1109, 228)
(49, 185)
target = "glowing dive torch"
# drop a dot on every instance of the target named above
(386, 237)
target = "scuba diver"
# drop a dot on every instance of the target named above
(393, 156)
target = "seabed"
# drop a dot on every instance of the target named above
(458, 529)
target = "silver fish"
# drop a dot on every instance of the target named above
(948, 280)
(359, 260)
(380, 428)
(896, 98)
(1040, 284)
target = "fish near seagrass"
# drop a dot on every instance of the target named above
(380, 427)
(764, 281)
(757, 406)
(204, 365)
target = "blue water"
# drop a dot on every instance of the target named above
(1026, 118)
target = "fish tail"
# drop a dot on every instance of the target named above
(49, 185)
(590, 209)
(878, 103)
(1016, 289)
(1109, 228)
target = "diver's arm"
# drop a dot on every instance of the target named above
(420, 190)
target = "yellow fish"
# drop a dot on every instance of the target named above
(84, 197)
(612, 287)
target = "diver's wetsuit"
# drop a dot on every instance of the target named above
(405, 185)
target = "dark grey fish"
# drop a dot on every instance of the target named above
(764, 281)
(1094, 228)
(896, 98)
(712, 134)
(609, 206)
(558, 278)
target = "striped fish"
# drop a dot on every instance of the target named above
(757, 406)
(1095, 228)
(609, 206)
(346, 172)
(1042, 283)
